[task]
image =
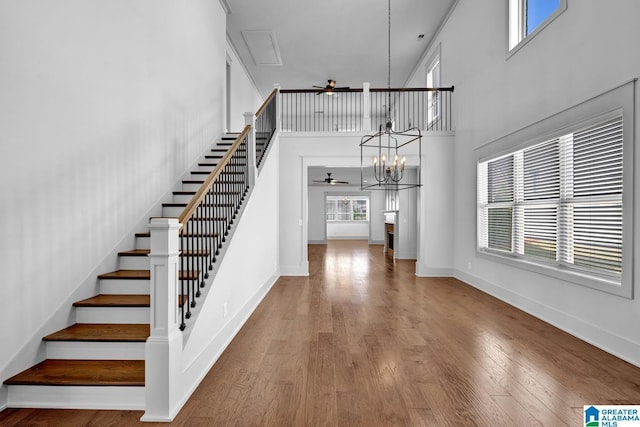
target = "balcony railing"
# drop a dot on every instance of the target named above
(363, 110)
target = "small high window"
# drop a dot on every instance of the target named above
(529, 17)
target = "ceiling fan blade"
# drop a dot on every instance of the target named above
(342, 88)
(319, 87)
(340, 182)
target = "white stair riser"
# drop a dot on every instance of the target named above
(206, 168)
(124, 286)
(112, 315)
(197, 176)
(74, 397)
(143, 242)
(190, 187)
(134, 262)
(182, 198)
(76, 350)
(172, 211)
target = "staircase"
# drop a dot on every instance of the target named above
(99, 362)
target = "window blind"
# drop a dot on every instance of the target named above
(559, 201)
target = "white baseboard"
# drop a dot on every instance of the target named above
(297, 270)
(610, 342)
(423, 271)
(347, 237)
(317, 242)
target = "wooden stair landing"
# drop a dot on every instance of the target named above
(102, 332)
(56, 372)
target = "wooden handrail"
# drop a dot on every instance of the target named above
(190, 209)
(266, 102)
(319, 90)
(402, 89)
(414, 89)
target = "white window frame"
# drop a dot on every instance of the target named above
(517, 25)
(595, 110)
(347, 200)
(434, 99)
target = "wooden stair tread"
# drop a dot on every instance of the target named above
(102, 332)
(125, 300)
(115, 301)
(144, 274)
(127, 274)
(56, 372)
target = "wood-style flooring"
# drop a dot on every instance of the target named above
(363, 342)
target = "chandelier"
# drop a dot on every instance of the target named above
(385, 147)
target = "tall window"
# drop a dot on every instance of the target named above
(343, 208)
(433, 98)
(527, 17)
(558, 202)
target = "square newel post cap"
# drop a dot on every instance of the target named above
(164, 236)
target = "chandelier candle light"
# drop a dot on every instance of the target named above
(386, 144)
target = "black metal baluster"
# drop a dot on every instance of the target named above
(183, 325)
(184, 273)
(201, 243)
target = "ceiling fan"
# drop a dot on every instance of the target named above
(330, 88)
(329, 180)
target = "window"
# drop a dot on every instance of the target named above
(343, 208)
(528, 17)
(433, 81)
(558, 202)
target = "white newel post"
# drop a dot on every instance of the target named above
(366, 107)
(164, 346)
(250, 119)
(278, 106)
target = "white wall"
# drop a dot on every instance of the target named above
(244, 95)
(406, 240)
(435, 225)
(348, 230)
(104, 105)
(591, 48)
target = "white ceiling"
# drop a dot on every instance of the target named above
(344, 40)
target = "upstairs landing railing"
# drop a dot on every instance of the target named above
(265, 124)
(366, 109)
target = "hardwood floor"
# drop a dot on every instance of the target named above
(363, 342)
